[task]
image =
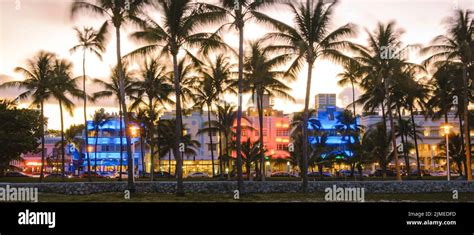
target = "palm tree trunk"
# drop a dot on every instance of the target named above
(121, 141)
(221, 174)
(304, 171)
(131, 179)
(466, 127)
(260, 123)
(152, 167)
(142, 152)
(240, 183)
(392, 131)
(95, 148)
(178, 130)
(461, 132)
(42, 141)
(415, 138)
(62, 139)
(169, 163)
(353, 104)
(404, 140)
(85, 111)
(210, 137)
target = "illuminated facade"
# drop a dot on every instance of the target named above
(202, 160)
(104, 148)
(431, 136)
(327, 121)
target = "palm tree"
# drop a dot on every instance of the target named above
(117, 13)
(37, 84)
(171, 39)
(382, 70)
(62, 85)
(311, 39)
(262, 77)
(236, 13)
(320, 152)
(377, 143)
(215, 81)
(99, 119)
(112, 88)
(251, 153)
(456, 150)
(153, 90)
(227, 117)
(458, 46)
(352, 74)
(166, 140)
(91, 41)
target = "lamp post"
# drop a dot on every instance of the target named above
(446, 128)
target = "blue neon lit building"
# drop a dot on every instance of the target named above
(326, 120)
(107, 154)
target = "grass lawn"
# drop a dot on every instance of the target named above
(270, 197)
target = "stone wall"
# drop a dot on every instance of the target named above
(224, 187)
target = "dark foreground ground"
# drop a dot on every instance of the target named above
(270, 197)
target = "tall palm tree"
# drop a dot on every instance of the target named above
(37, 84)
(235, 14)
(205, 96)
(351, 75)
(381, 70)
(262, 77)
(309, 40)
(113, 89)
(117, 13)
(62, 86)
(172, 38)
(458, 46)
(216, 81)
(91, 41)
(153, 90)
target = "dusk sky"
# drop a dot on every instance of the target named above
(28, 26)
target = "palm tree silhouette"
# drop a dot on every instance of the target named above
(117, 13)
(91, 41)
(37, 84)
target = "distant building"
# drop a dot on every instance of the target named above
(202, 161)
(432, 135)
(276, 132)
(106, 156)
(322, 101)
(31, 163)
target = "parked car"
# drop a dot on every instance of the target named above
(93, 175)
(316, 174)
(124, 175)
(160, 174)
(107, 174)
(423, 173)
(379, 173)
(198, 175)
(16, 174)
(282, 174)
(438, 173)
(347, 173)
(54, 175)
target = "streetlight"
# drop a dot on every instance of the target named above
(446, 127)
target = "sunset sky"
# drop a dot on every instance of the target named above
(34, 25)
